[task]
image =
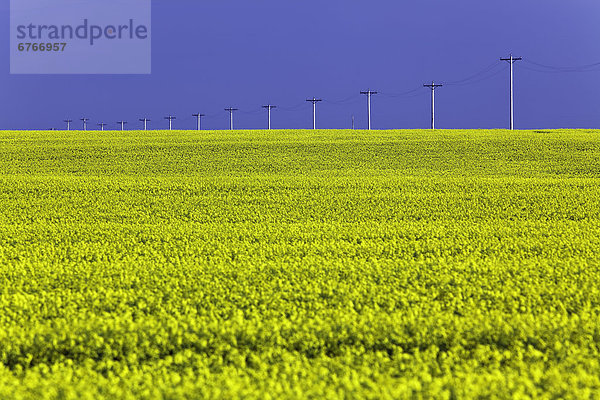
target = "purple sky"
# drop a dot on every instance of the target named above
(212, 54)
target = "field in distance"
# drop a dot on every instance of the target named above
(299, 264)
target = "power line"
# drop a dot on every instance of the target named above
(295, 107)
(483, 74)
(347, 100)
(579, 68)
(432, 86)
(199, 117)
(231, 110)
(252, 112)
(485, 77)
(512, 61)
(269, 107)
(475, 76)
(401, 94)
(314, 102)
(369, 93)
(170, 118)
(145, 121)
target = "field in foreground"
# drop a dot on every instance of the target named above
(327, 264)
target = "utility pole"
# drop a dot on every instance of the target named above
(231, 110)
(145, 121)
(314, 102)
(199, 116)
(85, 120)
(101, 125)
(68, 121)
(512, 60)
(369, 93)
(432, 86)
(122, 124)
(269, 107)
(170, 118)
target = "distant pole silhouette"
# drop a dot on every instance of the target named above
(199, 116)
(269, 107)
(85, 120)
(314, 102)
(512, 61)
(231, 110)
(101, 125)
(145, 121)
(122, 124)
(68, 121)
(170, 118)
(432, 86)
(369, 93)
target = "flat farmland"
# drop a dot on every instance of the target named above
(300, 264)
